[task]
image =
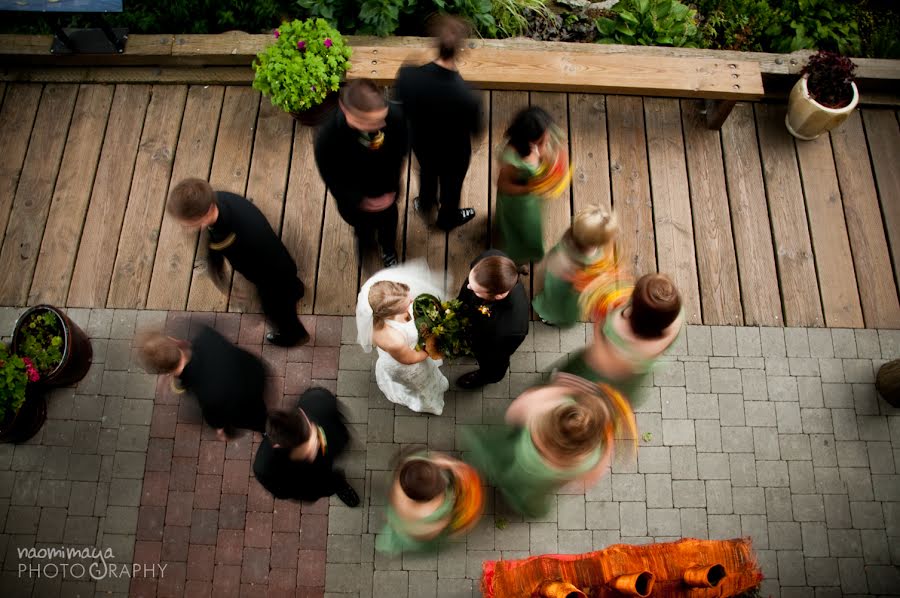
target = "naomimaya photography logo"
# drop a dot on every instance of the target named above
(81, 563)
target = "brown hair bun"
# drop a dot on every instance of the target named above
(422, 480)
(655, 304)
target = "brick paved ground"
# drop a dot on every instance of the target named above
(772, 433)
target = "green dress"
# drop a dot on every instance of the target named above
(558, 302)
(520, 217)
(396, 536)
(628, 386)
(507, 457)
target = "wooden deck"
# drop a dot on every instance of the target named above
(755, 228)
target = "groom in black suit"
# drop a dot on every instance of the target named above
(498, 310)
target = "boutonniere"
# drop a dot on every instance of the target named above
(485, 310)
(373, 142)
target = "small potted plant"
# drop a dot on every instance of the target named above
(60, 351)
(302, 71)
(824, 96)
(23, 409)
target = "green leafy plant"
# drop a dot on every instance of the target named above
(814, 24)
(478, 12)
(736, 24)
(445, 321)
(306, 63)
(513, 16)
(15, 373)
(41, 340)
(830, 78)
(650, 23)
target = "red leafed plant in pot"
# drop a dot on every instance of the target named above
(60, 351)
(23, 409)
(823, 98)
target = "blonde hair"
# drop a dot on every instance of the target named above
(594, 227)
(574, 428)
(160, 354)
(386, 299)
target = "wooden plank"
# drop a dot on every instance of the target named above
(150, 186)
(590, 152)
(750, 217)
(629, 173)
(34, 193)
(720, 293)
(266, 186)
(16, 121)
(36, 49)
(336, 286)
(422, 240)
(173, 75)
(557, 212)
(173, 263)
(231, 163)
(304, 213)
(97, 250)
(56, 261)
(837, 278)
(884, 146)
(796, 269)
(566, 71)
(467, 242)
(877, 291)
(672, 202)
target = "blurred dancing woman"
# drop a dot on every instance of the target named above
(632, 337)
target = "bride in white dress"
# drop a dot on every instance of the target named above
(384, 320)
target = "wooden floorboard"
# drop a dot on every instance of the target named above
(755, 227)
(34, 193)
(465, 243)
(266, 186)
(837, 278)
(672, 202)
(16, 121)
(760, 298)
(304, 210)
(56, 261)
(630, 177)
(174, 260)
(231, 165)
(883, 135)
(99, 240)
(796, 266)
(143, 216)
(720, 293)
(874, 278)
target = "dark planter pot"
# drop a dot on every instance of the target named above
(76, 352)
(316, 115)
(25, 424)
(888, 382)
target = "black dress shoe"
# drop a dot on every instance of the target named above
(463, 216)
(471, 381)
(283, 340)
(389, 259)
(348, 495)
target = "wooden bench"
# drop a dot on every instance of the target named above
(720, 82)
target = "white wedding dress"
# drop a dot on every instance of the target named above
(419, 386)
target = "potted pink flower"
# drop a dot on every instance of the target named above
(23, 408)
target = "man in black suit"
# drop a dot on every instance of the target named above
(296, 457)
(228, 383)
(498, 310)
(360, 152)
(240, 233)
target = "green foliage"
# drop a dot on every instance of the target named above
(512, 16)
(13, 380)
(447, 321)
(40, 339)
(650, 23)
(297, 79)
(879, 33)
(815, 24)
(736, 24)
(478, 12)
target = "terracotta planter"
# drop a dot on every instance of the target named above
(634, 584)
(76, 349)
(704, 577)
(316, 115)
(888, 382)
(25, 424)
(806, 119)
(559, 589)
